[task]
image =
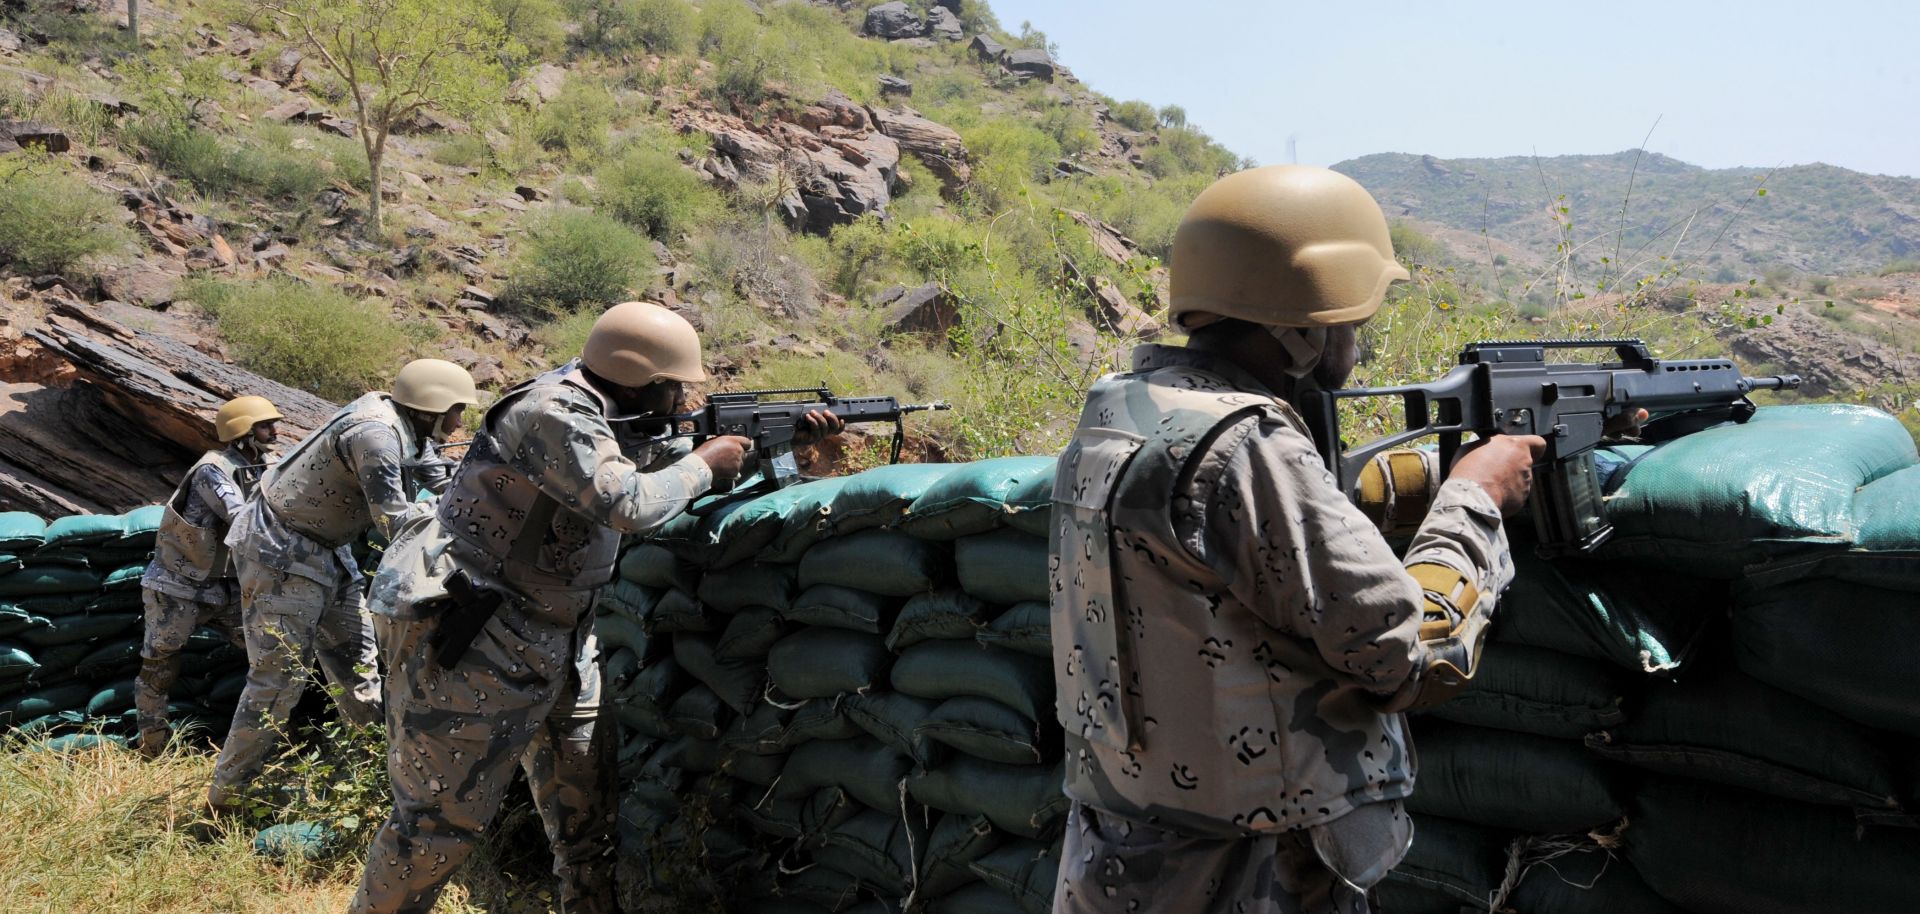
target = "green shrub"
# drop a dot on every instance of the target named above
(270, 164)
(572, 258)
(1412, 245)
(51, 221)
(1070, 127)
(649, 189)
(1135, 115)
(1173, 116)
(756, 260)
(538, 25)
(614, 26)
(1186, 150)
(463, 150)
(312, 337)
(566, 335)
(576, 121)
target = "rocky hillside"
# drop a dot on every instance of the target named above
(886, 197)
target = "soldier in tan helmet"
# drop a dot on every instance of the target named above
(302, 596)
(559, 469)
(1233, 640)
(189, 582)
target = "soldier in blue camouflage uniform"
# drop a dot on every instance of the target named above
(535, 513)
(1233, 639)
(189, 582)
(302, 596)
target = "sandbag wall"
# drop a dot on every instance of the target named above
(840, 697)
(70, 629)
(837, 697)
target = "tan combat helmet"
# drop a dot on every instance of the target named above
(1285, 246)
(239, 415)
(434, 386)
(637, 343)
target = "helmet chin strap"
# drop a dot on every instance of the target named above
(1304, 345)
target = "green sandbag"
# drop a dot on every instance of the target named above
(1609, 611)
(83, 530)
(1030, 505)
(824, 886)
(296, 841)
(108, 557)
(880, 848)
(642, 706)
(868, 770)
(803, 820)
(10, 563)
(15, 620)
(1509, 780)
(736, 533)
(124, 578)
(758, 732)
(782, 906)
(978, 898)
(656, 567)
(111, 700)
(1025, 800)
(1587, 881)
(627, 600)
(110, 658)
(843, 607)
(1843, 646)
(1450, 866)
(618, 666)
(945, 614)
(761, 770)
(691, 755)
(15, 663)
(226, 690)
(1711, 850)
(619, 632)
(1026, 870)
(881, 496)
(75, 743)
(1538, 691)
(750, 634)
(75, 629)
(678, 611)
(821, 718)
(1733, 730)
(824, 662)
(955, 842)
(737, 682)
(972, 498)
(71, 696)
(1003, 567)
(1886, 514)
(748, 585)
(47, 558)
(949, 669)
(878, 561)
(987, 729)
(139, 526)
(21, 532)
(58, 661)
(696, 713)
(895, 719)
(1024, 628)
(48, 579)
(1716, 501)
(127, 600)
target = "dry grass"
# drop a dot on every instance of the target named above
(106, 831)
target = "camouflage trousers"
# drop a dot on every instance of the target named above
(1113, 865)
(290, 622)
(526, 693)
(170, 622)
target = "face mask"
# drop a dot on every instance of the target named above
(1304, 345)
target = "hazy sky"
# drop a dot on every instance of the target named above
(1759, 83)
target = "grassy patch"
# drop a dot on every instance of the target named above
(573, 258)
(51, 221)
(646, 187)
(576, 121)
(276, 162)
(306, 336)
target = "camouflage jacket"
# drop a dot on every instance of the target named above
(541, 500)
(189, 560)
(1229, 630)
(346, 477)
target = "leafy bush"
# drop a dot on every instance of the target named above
(647, 188)
(536, 24)
(51, 221)
(754, 259)
(1173, 116)
(271, 165)
(463, 150)
(312, 337)
(576, 121)
(1072, 128)
(1412, 245)
(573, 258)
(1135, 115)
(566, 335)
(1186, 150)
(614, 26)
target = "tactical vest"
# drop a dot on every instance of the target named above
(1180, 705)
(313, 491)
(196, 553)
(496, 508)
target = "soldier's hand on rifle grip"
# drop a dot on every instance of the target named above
(1502, 465)
(1625, 426)
(724, 455)
(818, 425)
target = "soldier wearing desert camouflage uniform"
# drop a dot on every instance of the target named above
(1233, 638)
(302, 596)
(535, 515)
(190, 582)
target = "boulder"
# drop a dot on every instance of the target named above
(9, 42)
(140, 284)
(894, 85)
(541, 84)
(923, 309)
(1030, 63)
(35, 134)
(836, 110)
(952, 6)
(987, 49)
(944, 25)
(935, 144)
(894, 20)
(285, 68)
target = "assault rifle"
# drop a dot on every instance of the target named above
(1509, 388)
(770, 418)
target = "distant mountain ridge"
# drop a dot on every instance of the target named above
(1812, 218)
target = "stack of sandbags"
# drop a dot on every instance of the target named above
(839, 696)
(1761, 767)
(70, 628)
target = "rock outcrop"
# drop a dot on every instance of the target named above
(829, 161)
(894, 20)
(935, 144)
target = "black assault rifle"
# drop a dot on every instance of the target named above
(1509, 388)
(770, 418)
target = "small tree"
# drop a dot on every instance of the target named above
(396, 57)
